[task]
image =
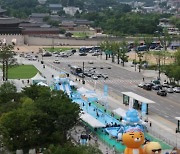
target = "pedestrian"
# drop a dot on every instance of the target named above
(143, 79)
(150, 124)
(89, 137)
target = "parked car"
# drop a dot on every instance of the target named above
(156, 82)
(56, 61)
(157, 87)
(176, 89)
(141, 84)
(83, 54)
(162, 93)
(147, 86)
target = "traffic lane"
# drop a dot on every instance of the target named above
(162, 107)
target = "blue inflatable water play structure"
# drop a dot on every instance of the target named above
(113, 127)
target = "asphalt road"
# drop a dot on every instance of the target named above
(122, 80)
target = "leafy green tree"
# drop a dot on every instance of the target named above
(43, 119)
(123, 51)
(6, 54)
(7, 92)
(177, 57)
(72, 150)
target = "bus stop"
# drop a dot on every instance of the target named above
(136, 101)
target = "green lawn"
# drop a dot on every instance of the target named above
(80, 34)
(22, 72)
(58, 49)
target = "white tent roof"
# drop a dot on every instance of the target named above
(138, 97)
(178, 118)
(120, 112)
(73, 83)
(91, 120)
(90, 95)
(38, 77)
(82, 90)
(42, 84)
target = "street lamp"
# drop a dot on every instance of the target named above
(83, 82)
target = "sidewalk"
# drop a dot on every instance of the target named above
(161, 128)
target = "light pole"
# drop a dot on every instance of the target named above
(83, 82)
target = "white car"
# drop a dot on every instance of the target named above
(141, 84)
(176, 89)
(56, 61)
(90, 62)
(94, 77)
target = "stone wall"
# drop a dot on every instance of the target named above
(9, 38)
(49, 41)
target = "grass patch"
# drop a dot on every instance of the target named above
(58, 49)
(22, 72)
(80, 34)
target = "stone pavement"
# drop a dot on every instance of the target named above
(160, 128)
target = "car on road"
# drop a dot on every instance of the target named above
(141, 84)
(105, 76)
(47, 54)
(170, 90)
(82, 54)
(176, 89)
(96, 54)
(90, 62)
(56, 61)
(63, 54)
(157, 87)
(81, 75)
(94, 77)
(147, 86)
(162, 93)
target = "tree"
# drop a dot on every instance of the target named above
(177, 57)
(7, 92)
(43, 118)
(123, 51)
(6, 54)
(68, 148)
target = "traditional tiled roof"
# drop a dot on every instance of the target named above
(9, 21)
(55, 6)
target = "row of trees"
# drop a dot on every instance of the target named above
(37, 118)
(173, 70)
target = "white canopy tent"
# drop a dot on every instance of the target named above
(120, 112)
(138, 97)
(91, 120)
(82, 90)
(42, 84)
(72, 83)
(38, 78)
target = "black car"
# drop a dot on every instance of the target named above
(73, 51)
(83, 54)
(47, 54)
(147, 86)
(162, 93)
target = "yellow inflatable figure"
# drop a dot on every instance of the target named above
(133, 139)
(152, 147)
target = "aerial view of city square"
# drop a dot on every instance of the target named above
(89, 76)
